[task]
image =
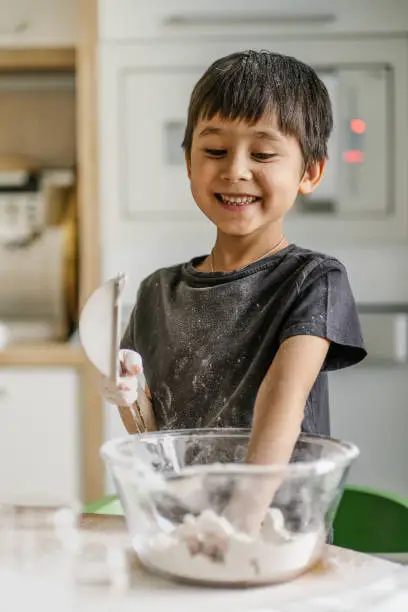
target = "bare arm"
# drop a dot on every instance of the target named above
(278, 416)
(281, 399)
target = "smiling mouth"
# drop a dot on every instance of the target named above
(237, 200)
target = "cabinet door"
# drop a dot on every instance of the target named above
(37, 23)
(39, 435)
(183, 19)
(368, 406)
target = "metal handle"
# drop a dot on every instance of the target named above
(231, 20)
(119, 283)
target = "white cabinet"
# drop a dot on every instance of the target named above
(39, 435)
(144, 92)
(125, 20)
(368, 406)
(38, 23)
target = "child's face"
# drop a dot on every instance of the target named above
(245, 178)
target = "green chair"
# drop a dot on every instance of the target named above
(372, 522)
(107, 505)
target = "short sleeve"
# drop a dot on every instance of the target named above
(325, 307)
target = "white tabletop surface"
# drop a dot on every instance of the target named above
(98, 574)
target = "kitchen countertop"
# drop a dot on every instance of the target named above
(95, 570)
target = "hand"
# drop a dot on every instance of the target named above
(125, 391)
(250, 502)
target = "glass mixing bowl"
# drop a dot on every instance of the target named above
(197, 512)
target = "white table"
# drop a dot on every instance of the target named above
(36, 573)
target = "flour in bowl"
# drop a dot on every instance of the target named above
(208, 549)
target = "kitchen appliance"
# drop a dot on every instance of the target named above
(363, 193)
(359, 173)
(359, 179)
(39, 250)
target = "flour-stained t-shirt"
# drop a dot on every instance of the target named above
(207, 339)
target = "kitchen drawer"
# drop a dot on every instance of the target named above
(177, 19)
(39, 435)
(385, 337)
(37, 23)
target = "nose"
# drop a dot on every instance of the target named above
(236, 168)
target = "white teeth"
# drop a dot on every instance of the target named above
(238, 201)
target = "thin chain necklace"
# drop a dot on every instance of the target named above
(270, 252)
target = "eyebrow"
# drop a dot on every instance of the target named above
(210, 130)
(262, 135)
(274, 136)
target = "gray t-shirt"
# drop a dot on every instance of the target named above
(208, 339)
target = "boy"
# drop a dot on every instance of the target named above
(244, 337)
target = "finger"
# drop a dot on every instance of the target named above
(129, 397)
(128, 389)
(133, 363)
(123, 398)
(134, 371)
(127, 382)
(122, 393)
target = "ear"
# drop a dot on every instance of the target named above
(312, 177)
(187, 157)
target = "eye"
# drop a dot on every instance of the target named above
(215, 152)
(264, 156)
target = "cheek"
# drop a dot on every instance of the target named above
(198, 182)
(280, 182)
(201, 174)
(195, 189)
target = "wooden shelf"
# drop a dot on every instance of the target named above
(45, 354)
(37, 59)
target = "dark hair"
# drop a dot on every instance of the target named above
(247, 84)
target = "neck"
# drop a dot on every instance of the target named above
(235, 252)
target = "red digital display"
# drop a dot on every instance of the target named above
(357, 126)
(353, 156)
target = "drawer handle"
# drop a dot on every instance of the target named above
(3, 392)
(226, 19)
(17, 28)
